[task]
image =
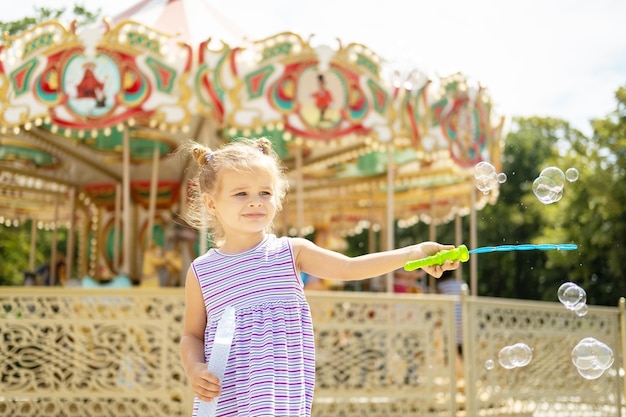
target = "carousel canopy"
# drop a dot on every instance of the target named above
(87, 112)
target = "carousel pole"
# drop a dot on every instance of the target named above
(153, 195)
(33, 245)
(53, 256)
(390, 210)
(117, 220)
(69, 256)
(370, 232)
(126, 207)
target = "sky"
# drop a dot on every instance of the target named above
(549, 58)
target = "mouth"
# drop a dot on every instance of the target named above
(254, 215)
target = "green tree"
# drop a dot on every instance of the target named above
(592, 213)
(517, 217)
(41, 14)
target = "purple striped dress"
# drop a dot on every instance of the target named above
(271, 366)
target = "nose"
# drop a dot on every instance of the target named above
(255, 202)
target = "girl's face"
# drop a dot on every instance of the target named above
(245, 202)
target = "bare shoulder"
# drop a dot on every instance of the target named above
(300, 243)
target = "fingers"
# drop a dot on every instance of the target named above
(438, 270)
(207, 387)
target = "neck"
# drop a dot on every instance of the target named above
(241, 244)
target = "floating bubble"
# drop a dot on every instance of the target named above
(548, 187)
(501, 178)
(572, 296)
(489, 364)
(521, 354)
(546, 190)
(555, 174)
(571, 174)
(515, 356)
(484, 169)
(485, 176)
(592, 357)
(504, 358)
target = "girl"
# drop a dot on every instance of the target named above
(271, 367)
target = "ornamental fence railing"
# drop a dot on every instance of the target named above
(74, 352)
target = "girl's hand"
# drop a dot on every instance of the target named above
(438, 270)
(426, 249)
(204, 384)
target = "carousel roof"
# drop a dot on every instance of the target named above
(74, 100)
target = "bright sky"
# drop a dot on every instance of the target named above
(558, 58)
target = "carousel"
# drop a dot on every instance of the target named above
(91, 118)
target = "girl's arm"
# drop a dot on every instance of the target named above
(327, 264)
(205, 385)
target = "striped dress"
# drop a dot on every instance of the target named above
(271, 366)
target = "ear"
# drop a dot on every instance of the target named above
(208, 202)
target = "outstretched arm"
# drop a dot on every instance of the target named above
(327, 264)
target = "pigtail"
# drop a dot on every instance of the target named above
(202, 154)
(264, 145)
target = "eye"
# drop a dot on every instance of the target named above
(266, 193)
(240, 194)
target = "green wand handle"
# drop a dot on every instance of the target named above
(459, 253)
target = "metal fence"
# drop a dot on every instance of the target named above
(95, 353)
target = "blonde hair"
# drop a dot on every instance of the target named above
(240, 155)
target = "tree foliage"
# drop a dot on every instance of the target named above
(593, 215)
(41, 14)
(590, 214)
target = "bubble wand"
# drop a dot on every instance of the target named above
(461, 253)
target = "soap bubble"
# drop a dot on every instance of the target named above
(504, 358)
(515, 356)
(548, 187)
(555, 174)
(572, 296)
(592, 357)
(485, 176)
(571, 174)
(489, 364)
